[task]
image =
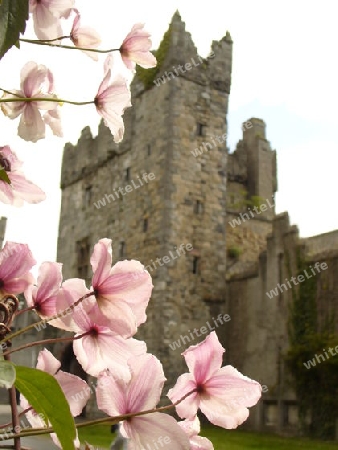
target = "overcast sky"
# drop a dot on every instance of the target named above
(285, 71)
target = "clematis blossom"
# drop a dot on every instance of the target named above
(76, 390)
(135, 49)
(43, 296)
(47, 14)
(122, 291)
(192, 428)
(101, 346)
(85, 37)
(142, 392)
(16, 260)
(111, 101)
(37, 81)
(20, 189)
(222, 393)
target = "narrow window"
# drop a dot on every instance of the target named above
(83, 256)
(127, 174)
(195, 264)
(121, 203)
(198, 207)
(122, 249)
(145, 225)
(200, 130)
(149, 149)
(87, 196)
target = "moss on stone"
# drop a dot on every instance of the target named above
(315, 384)
(147, 76)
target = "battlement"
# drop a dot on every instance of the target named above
(177, 58)
(252, 166)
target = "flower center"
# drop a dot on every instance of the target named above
(4, 162)
(200, 388)
(94, 331)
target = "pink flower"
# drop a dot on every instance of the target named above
(135, 49)
(112, 100)
(15, 262)
(36, 82)
(192, 428)
(222, 393)
(76, 390)
(71, 385)
(46, 16)
(20, 189)
(101, 347)
(84, 37)
(142, 392)
(43, 296)
(123, 291)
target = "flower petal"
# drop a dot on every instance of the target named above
(107, 351)
(101, 260)
(155, 429)
(31, 126)
(47, 362)
(219, 413)
(204, 358)
(25, 190)
(15, 262)
(111, 394)
(188, 407)
(148, 380)
(76, 390)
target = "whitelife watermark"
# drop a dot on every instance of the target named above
(146, 177)
(262, 207)
(179, 251)
(301, 278)
(185, 339)
(6, 433)
(211, 144)
(173, 254)
(179, 70)
(316, 360)
(158, 444)
(206, 146)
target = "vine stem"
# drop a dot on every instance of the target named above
(43, 321)
(41, 99)
(14, 410)
(29, 308)
(110, 420)
(45, 341)
(68, 47)
(6, 425)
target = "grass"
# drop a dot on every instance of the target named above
(222, 439)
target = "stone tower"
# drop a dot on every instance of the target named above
(181, 201)
(173, 219)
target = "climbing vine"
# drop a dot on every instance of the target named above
(316, 383)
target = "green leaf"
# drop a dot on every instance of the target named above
(3, 176)
(45, 395)
(13, 17)
(7, 374)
